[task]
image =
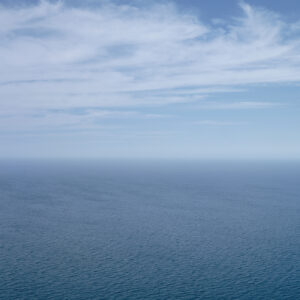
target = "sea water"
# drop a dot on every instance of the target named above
(149, 230)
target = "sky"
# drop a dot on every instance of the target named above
(150, 79)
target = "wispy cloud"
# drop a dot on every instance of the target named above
(218, 123)
(56, 52)
(62, 119)
(210, 105)
(58, 57)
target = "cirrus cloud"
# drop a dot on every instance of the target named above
(54, 56)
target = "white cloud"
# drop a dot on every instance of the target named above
(218, 123)
(237, 105)
(55, 57)
(62, 120)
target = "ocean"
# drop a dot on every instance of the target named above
(149, 230)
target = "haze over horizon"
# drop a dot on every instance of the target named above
(166, 79)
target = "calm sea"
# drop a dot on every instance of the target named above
(156, 230)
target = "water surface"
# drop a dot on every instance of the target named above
(156, 230)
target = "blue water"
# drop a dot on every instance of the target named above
(156, 230)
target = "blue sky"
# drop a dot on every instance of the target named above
(156, 79)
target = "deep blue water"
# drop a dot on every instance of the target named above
(156, 230)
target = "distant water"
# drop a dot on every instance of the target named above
(157, 230)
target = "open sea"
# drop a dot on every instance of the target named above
(149, 230)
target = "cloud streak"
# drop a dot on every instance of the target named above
(238, 105)
(54, 56)
(218, 123)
